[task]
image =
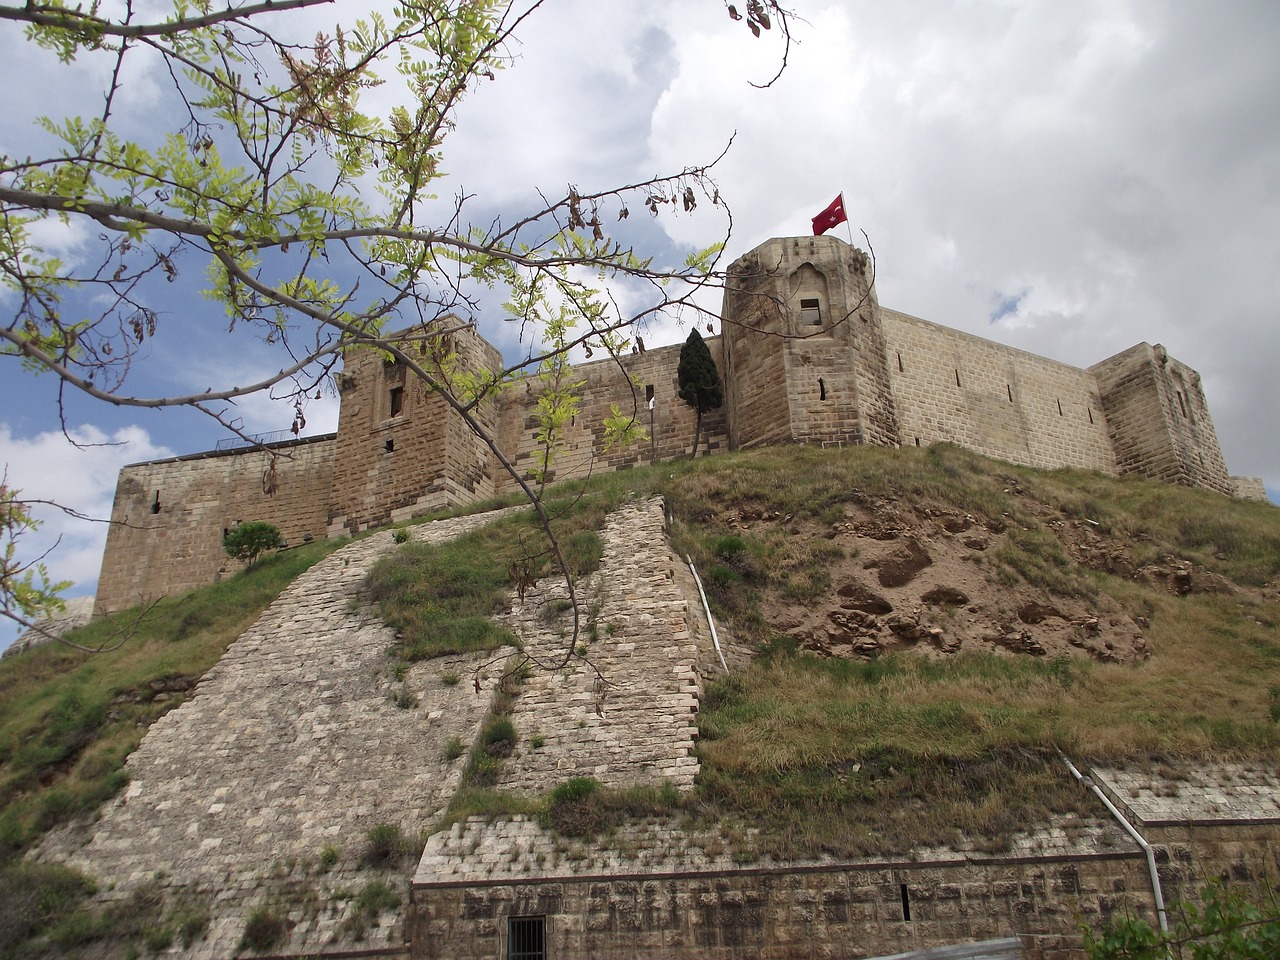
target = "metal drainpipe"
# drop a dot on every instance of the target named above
(707, 607)
(1156, 890)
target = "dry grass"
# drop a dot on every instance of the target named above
(830, 756)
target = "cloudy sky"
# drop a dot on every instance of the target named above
(1067, 178)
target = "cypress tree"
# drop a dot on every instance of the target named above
(699, 382)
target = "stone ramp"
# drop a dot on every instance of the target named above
(625, 712)
(290, 745)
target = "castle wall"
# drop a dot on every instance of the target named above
(656, 891)
(787, 914)
(1159, 419)
(752, 360)
(807, 355)
(627, 382)
(627, 714)
(1250, 488)
(999, 401)
(401, 451)
(169, 516)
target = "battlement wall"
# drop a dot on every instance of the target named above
(169, 516)
(997, 400)
(628, 382)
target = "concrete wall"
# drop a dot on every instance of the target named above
(786, 914)
(169, 516)
(999, 401)
(660, 889)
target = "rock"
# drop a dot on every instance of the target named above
(902, 566)
(945, 597)
(857, 596)
(1037, 613)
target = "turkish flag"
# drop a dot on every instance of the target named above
(830, 217)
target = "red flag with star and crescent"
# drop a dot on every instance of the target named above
(830, 217)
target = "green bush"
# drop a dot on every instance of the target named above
(265, 928)
(499, 737)
(248, 541)
(386, 845)
(1228, 927)
(33, 896)
(575, 809)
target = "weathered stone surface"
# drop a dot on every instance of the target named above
(623, 707)
(291, 744)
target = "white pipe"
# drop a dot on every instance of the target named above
(1137, 838)
(707, 607)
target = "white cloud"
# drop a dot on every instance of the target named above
(80, 476)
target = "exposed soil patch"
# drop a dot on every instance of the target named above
(925, 578)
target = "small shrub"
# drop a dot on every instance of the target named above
(405, 699)
(375, 897)
(400, 536)
(248, 541)
(453, 749)
(192, 924)
(449, 679)
(328, 858)
(265, 928)
(33, 896)
(574, 809)
(537, 741)
(499, 737)
(386, 845)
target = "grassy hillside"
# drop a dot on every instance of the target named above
(1125, 622)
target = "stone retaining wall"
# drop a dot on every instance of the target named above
(292, 744)
(624, 711)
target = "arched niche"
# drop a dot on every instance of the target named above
(809, 301)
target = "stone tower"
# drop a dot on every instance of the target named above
(1159, 419)
(401, 451)
(803, 353)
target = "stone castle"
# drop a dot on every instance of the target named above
(258, 792)
(807, 355)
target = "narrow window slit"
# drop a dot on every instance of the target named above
(1089, 410)
(822, 389)
(900, 370)
(389, 446)
(155, 504)
(397, 400)
(1182, 404)
(1009, 390)
(906, 904)
(1059, 408)
(957, 376)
